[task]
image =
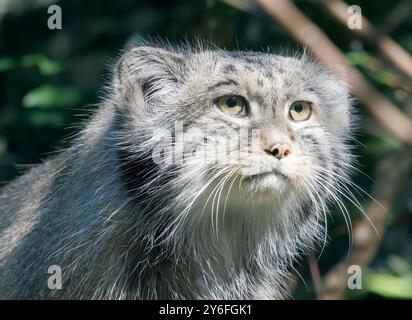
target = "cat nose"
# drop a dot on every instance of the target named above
(280, 150)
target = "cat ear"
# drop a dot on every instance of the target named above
(155, 71)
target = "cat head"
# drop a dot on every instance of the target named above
(245, 124)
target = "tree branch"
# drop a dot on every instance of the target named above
(389, 48)
(401, 11)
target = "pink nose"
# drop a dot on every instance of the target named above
(280, 150)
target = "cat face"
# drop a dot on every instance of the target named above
(266, 124)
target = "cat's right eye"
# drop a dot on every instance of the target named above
(300, 110)
(232, 105)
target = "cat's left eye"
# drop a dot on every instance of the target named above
(232, 105)
(300, 110)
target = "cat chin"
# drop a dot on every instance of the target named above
(269, 184)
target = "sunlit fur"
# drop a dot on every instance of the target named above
(123, 226)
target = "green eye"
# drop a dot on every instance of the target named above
(300, 110)
(231, 105)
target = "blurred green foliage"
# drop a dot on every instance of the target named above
(51, 79)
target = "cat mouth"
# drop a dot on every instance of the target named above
(260, 175)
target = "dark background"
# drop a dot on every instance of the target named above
(51, 79)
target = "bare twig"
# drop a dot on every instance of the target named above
(315, 274)
(401, 11)
(389, 48)
(307, 33)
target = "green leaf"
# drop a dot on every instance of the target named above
(41, 118)
(6, 64)
(48, 96)
(45, 65)
(48, 67)
(390, 286)
(398, 265)
(28, 61)
(359, 58)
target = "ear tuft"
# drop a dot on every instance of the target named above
(156, 71)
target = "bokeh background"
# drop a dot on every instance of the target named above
(51, 79)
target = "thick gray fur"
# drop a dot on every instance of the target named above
(123, 227)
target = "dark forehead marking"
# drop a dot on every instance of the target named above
(229, 68)
(254, 58)
(260, 99)
(227, 82)
(245, 54)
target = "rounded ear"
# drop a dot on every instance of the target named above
(156, 71)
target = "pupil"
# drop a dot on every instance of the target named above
(298, 108)
(231, 102)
